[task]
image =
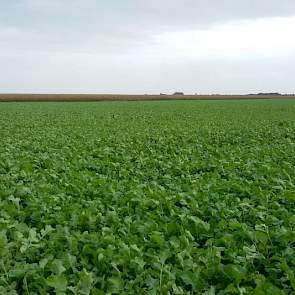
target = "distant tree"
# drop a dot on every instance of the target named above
(178, 93)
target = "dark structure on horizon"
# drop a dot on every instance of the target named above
(267, 93)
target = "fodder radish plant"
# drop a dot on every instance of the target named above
(188, 197)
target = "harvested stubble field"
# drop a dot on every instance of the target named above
(171, 197)
(122, 97)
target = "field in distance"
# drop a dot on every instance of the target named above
(157, 197)
(122, 97)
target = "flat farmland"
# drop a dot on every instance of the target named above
(122, 97)
(147, 197)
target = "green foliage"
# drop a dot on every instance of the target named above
(182, 197)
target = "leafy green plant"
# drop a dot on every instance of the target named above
(180, 197)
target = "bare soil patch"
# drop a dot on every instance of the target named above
(122, 97)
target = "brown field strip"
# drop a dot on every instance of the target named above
(122, 97)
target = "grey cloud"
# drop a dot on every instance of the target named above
(96, 46)
(76, 22)
(74, 74)
(141, 15)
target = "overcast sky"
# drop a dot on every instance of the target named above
(147, 46)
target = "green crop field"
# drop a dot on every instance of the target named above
(168, 197)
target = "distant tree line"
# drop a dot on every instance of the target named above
(254, 94)
(175, 93)
(273, 93)
(266, 93)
